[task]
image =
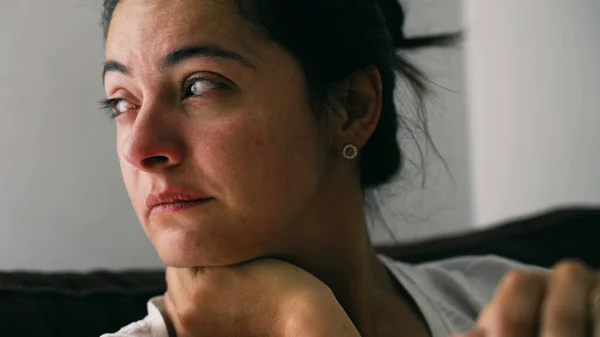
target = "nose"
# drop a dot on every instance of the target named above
(154, 141)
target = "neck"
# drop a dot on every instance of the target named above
(340, 254)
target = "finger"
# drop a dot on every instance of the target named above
(594, 308)
(174, 286)
(178, 277)
(179, 281)
(174, 326)
(565, 312)
(173, 278)
(181, 300)
(516, 306)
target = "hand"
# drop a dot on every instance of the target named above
(266, 298)
(564, 302)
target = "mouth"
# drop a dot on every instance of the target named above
(177, 206)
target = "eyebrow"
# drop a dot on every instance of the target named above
(178, 56)
(203, 51)
(114, 66)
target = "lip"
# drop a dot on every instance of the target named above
(170, 200)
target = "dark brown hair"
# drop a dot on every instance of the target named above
(333, 39)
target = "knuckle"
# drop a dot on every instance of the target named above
(210, 284)
(187, 317)
(210, 275)
(200, 294)
(570, 270)
(570, 266)
(516, 279)
(200, 291)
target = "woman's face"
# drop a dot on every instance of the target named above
(220, 152)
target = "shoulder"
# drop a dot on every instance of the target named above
(456, 289)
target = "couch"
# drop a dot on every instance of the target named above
(89, 304)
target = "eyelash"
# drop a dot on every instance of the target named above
(109, 105)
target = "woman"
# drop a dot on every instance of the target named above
(247, 133)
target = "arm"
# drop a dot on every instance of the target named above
(263, 298)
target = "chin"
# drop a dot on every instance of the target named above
(184, 249)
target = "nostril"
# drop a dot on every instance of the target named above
(151, 161)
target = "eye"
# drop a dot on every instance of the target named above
(122, 106)
(200, 86)
(117, 106)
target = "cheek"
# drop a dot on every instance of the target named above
(262, 162)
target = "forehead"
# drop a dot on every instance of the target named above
(148, 29)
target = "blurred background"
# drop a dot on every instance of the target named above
(515, 115)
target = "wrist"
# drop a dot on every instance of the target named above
(317, 315)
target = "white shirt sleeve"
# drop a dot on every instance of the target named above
(153, 325)
(451, 293)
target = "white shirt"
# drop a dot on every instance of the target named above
(153, 325)
(450, 294)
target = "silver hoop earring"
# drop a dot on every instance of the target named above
(350, 152)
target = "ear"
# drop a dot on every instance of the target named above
(359, 107)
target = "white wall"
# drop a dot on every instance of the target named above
(528, 142)
(534, 105)
(62, 205)
(443, 206)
